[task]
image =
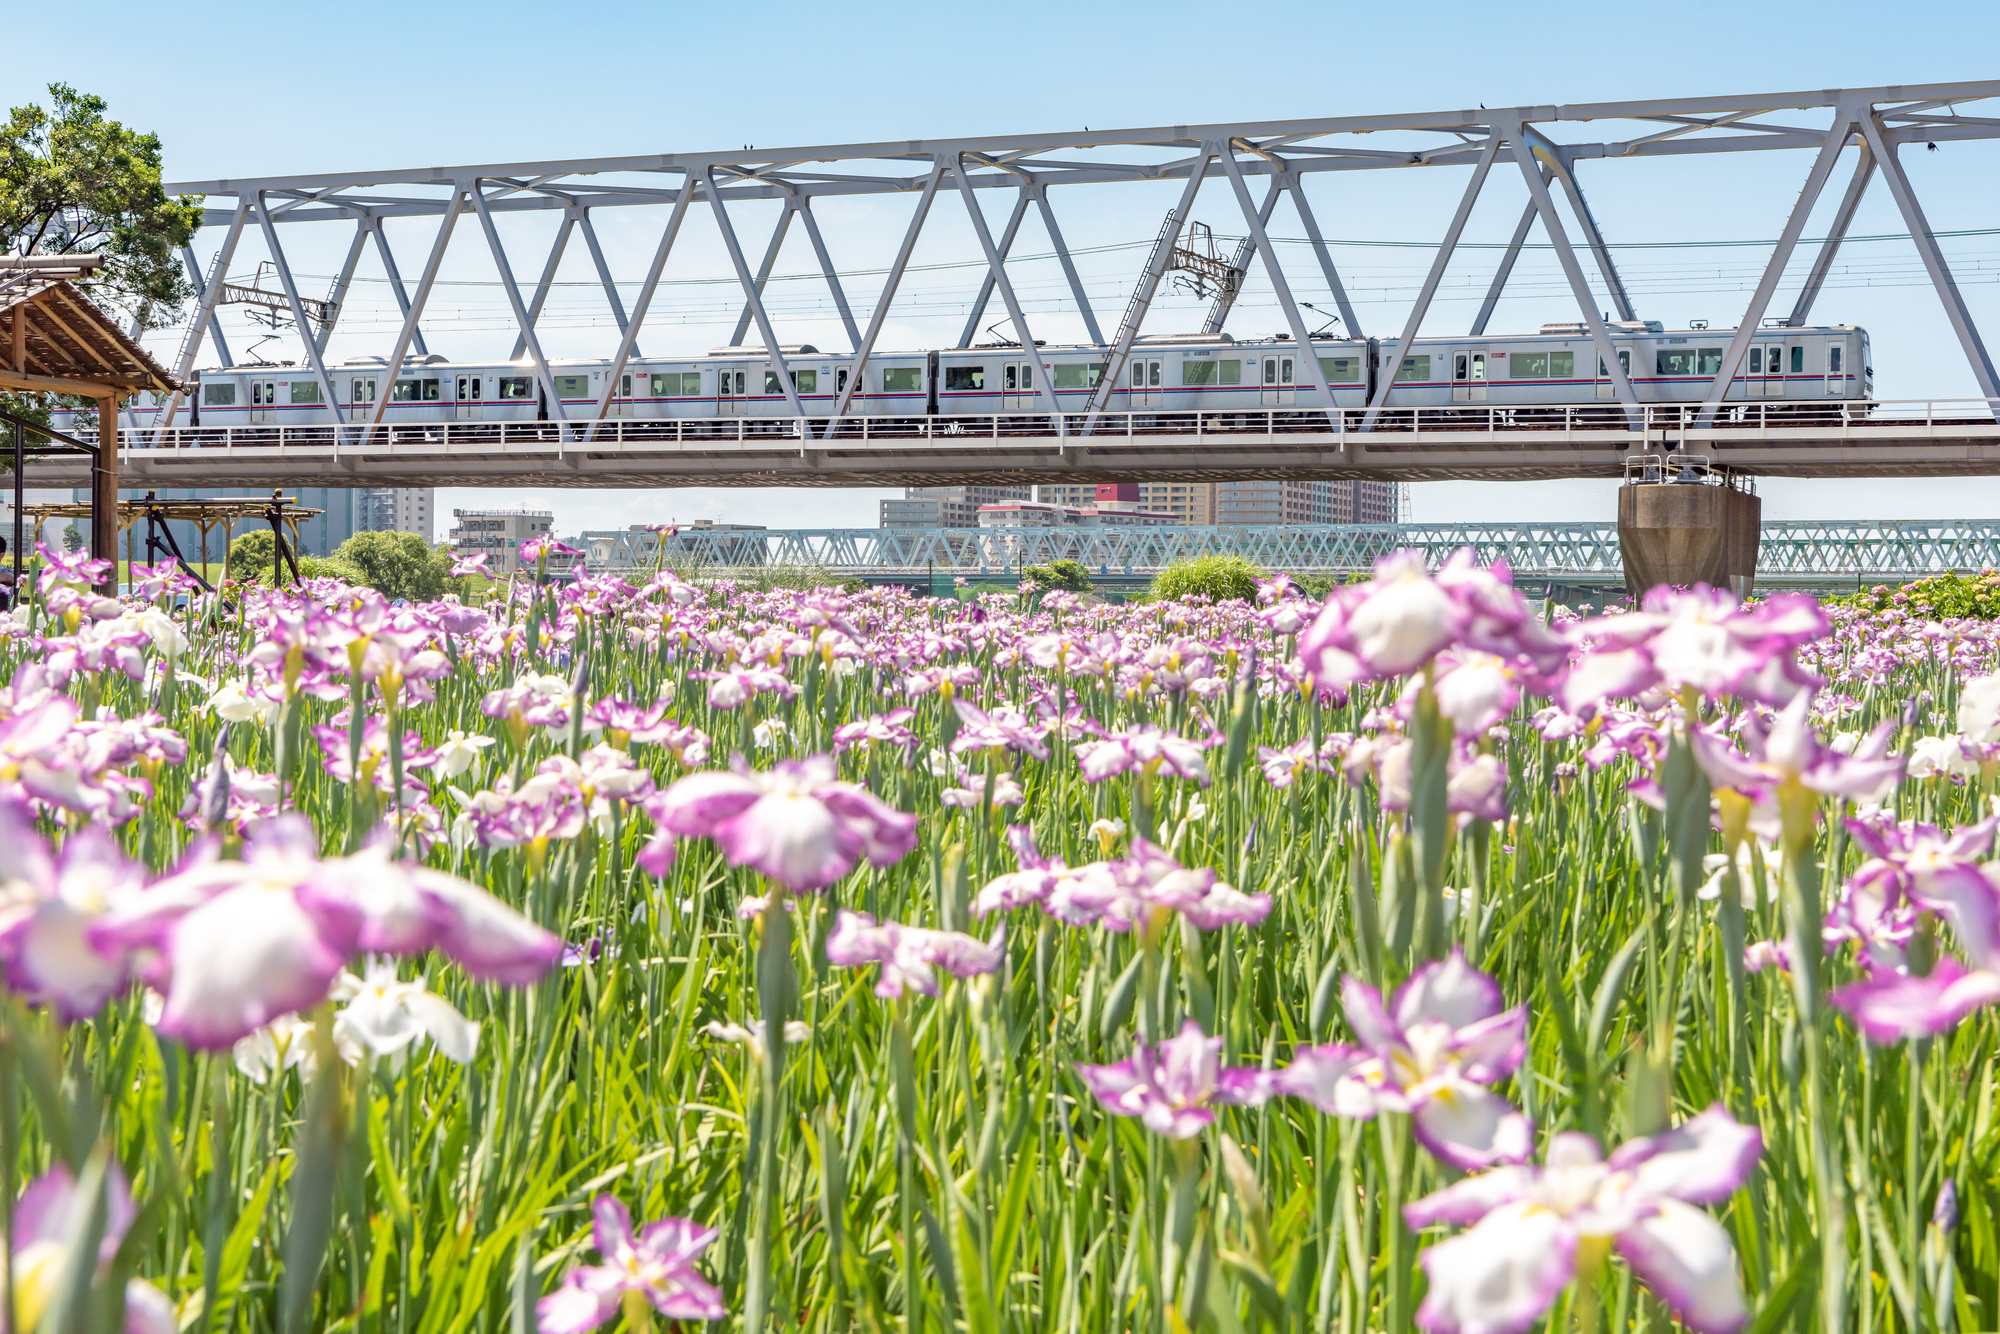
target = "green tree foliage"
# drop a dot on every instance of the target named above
(250, 556)
(72, 539)
(397, 565)
(74, 182)
(1215, 576)
(1941, 597)
(1069, 575)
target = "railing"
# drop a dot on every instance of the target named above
(1663, 425)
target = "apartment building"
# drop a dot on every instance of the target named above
(945, 506)
(396, 509)
(499, 534)
(1191, 503)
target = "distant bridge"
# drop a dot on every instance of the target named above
(1812, 554)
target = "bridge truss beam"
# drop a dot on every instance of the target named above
(1285, 151)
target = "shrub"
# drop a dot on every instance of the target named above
(1069, 575)
(1216, 576)
(1941, 597)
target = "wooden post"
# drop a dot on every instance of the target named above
(104, 492)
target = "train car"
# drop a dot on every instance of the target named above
(1560, 366)
(1556, 367)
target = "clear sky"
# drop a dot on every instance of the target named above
(236, 89)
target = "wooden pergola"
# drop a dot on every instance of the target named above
(56, 340)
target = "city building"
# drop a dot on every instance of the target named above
(498, 534)
(1114, 505)
(1192, 503)
(946, 506)
(1266, 503)
(615, 550)
(397, 509)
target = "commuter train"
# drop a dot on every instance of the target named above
(1556, 367)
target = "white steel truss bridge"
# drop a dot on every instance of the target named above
(1545, 147)
(1807, 553)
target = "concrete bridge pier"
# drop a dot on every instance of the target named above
(1683, 522)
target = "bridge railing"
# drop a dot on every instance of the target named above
(1662, 424)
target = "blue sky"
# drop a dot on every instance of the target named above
(237, 89)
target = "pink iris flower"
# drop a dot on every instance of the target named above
(1433, 1053)
(1173, 1086)
(797, 823)
(461, 566)
(1790, 751)
(240, 943)
(1534, 1227)
(881, 729)
(47, 903)
(656, 1268)
(1699, 638)
(1146, 747)
(45, 1217)
(1004, 728)
(907, 953)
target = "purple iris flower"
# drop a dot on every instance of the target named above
(1699, 638)
(654, 1269)
(1148, 748)
(45, 1218)
(1533, 1228)
(1004, 728)
(797, 823)
(1433, 1053)
(1173, 1086)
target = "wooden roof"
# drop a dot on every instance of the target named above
(54, 339)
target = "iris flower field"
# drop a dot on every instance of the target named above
(631, 953)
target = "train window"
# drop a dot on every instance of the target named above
(806, 382)
(902, 380)
(573, 386)
(364, 391)
(1675, 363)
(1341, 370)
(1756, 361)
(305, 391)
(685, 384)
(218, 395)
(1414, 368)
(1529, 365)
(515, 386)
(1798, 360)
(1232, 372)
(1198, 372)
(414, 391)
(1708, 361)
(1833, 360)
(1624, 363)
(964, 378)
(1077, 375)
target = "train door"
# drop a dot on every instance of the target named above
(1605, 387)
(465, 404)
(1017, 385)
(732, 385)
(1468, 376)
(363, 401)
(1836, 374)
(1145, 382)
(263, 398)
(621, 403)
(1277, 381)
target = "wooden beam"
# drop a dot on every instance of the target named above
(104, 492)
(64, 384)
(20, 340)
(85, 352)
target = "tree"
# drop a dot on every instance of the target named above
(72, 539)
(250, 555)
(397, 565)
(73, 182)
(1069, 575)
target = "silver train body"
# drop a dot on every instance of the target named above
(1554, 368)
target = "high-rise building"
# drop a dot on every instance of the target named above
(397, 509)
(498, 534)
(1191, 502)
(1267, 502)
(945, 506)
